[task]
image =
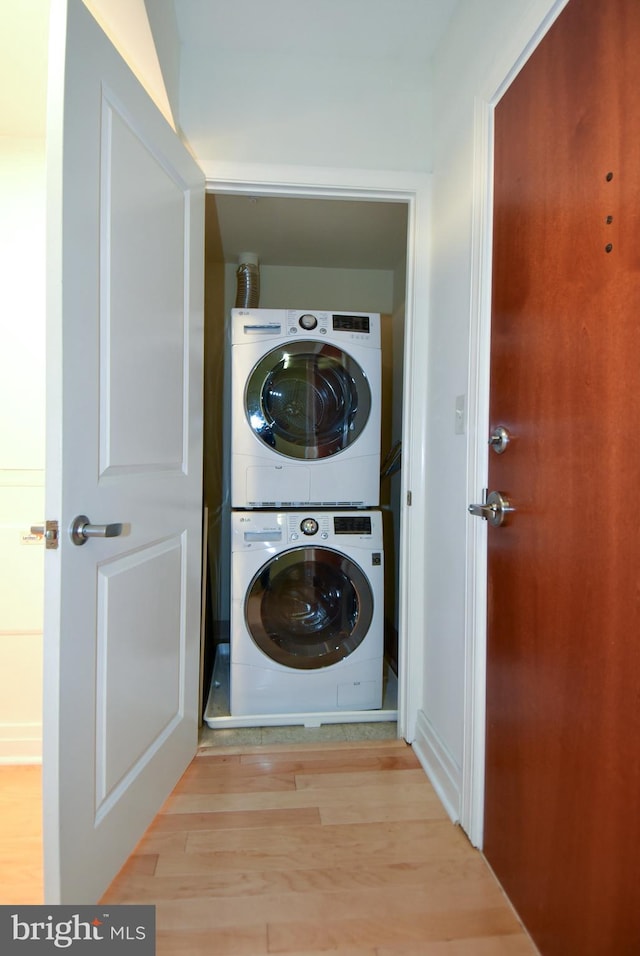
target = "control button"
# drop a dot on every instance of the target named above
(309, 526)
(322, 331)
(295, 536)
(307, 322)
(324, 535)
(293, 330)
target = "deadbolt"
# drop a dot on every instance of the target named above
(494, 510)
(499, 439)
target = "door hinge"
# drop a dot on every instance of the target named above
(50, 532)
(409, 499)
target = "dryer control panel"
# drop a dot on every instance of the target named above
(362, 328)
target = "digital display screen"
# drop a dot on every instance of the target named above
(351, 323)
(352, 524)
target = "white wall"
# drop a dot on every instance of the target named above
(480, 48)
(22, 369)
(361, 290)
(23, 66)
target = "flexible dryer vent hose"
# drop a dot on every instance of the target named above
(248, 281)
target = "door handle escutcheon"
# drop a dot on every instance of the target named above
(494, 510)
(81, 530)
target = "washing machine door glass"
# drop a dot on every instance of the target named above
(307, 400)
(309, 607)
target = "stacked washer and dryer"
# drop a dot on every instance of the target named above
(307, 578)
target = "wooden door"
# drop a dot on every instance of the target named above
(562, 828)
(124, 413)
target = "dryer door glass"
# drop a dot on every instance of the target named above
(307, 400)
(309, 607)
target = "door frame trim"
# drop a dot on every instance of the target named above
(413, 189)
(529, 32)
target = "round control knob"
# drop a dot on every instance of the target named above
(309, 526)
(307, 322)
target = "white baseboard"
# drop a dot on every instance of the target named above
(440, 767)
(20, 743)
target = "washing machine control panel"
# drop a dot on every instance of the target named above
(308, 526)
(329, 526)
(269, 531)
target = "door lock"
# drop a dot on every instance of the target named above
(499, 439)
(494, 510)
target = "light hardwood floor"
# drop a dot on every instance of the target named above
(314, 849)
(20, 834)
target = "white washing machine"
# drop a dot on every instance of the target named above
(307, 631)
(305, 411)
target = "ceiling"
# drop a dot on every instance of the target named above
(312, 232)
(379, 28)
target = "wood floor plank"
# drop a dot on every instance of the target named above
(239, 941)
(417, 929)
(516, 945)
(355, 812)
(341, 848)
(359, 838)
(349, 752)
(364, 796)
(154, 842)
(312, 917)
(238, 819)
(216, 884)
(259, 750)
(324, 763)
(385, 778)
(204, 782)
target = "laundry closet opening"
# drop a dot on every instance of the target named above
(326, 256)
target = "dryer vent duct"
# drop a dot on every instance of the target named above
(248, 281)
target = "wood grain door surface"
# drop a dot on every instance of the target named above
(562, 823)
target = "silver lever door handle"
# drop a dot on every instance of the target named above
(81, 530)
(495, 509)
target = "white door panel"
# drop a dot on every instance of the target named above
(142, 329)
(125, 322)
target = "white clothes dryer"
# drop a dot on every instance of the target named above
(307, 631)
(305, 410)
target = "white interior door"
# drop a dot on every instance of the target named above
(124, 397)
